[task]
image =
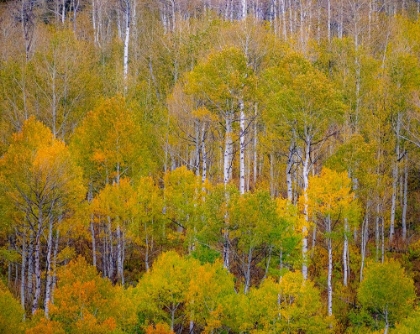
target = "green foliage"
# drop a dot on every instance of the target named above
(386, 291)
(109, 143)
(11, 313)
(291, 306)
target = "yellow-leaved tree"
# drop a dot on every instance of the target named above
(333, 207)
(40, 188)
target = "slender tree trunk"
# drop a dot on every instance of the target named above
(120, 264)
(94, 26)
(37, 294)
(244, 9)
(405, 201)
(63, 11)
(203, 153)
(30, 266)
(283, 18)
(314, 231)
(228, 149)
(241, 148)
(255, 143)
(54, 264)
(104, 253)
(48, 284)
(22, 270)
(330, 267)
(110, 251)
(127, 12)
(305, 172)
(146, 254)
(345, 252)
(92, 234)
(364, 237)
(289, 170)
(382, 241)
(377, 230)
(329, 20)
(395, 176)
(248, 271)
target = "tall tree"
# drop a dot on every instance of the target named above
(308, 108)
(42, 185)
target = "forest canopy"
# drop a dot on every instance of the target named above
(209, 166)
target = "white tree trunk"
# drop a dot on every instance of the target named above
(48, 284)
(248, 271)
(241, 148)
(345, 252)
(244, 9)
(37, 253)
(127, 11)
(22, 270)
(63, 11)
(203, 153)
(364, 237)
(227, 158)
(305, 175)
(329, 20)
(395, 176)
(377, 230)
(330, 268)
(30, 266)
(289, 176)
(120, 265)
(405, 201)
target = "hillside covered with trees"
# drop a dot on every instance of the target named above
(209, 166)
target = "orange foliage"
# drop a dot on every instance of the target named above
(158, 329)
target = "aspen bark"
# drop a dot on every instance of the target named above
(30, 266)
(48, 269)
(289, 171)
(241, 148)
(227, 158)
(22, 270)
(120, 254)
(395, 176)
(37, 253)
(248, 271)
(345, 252)
(127, 11)
(377, 230)
(305, 172)
(203, 154)
(330, 267)
(405, 201)
(364, 240)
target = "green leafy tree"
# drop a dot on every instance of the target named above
(293, 305)
(303, 105)
(387, 292)
(12, 314)
(333, 206)
(161, 292)
(256, 228)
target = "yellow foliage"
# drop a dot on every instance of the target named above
(45, 326)
(159, 328)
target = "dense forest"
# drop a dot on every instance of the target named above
(209, 166)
